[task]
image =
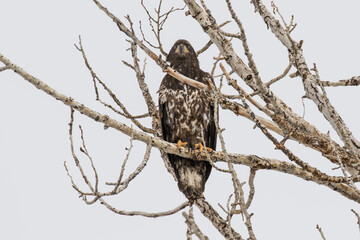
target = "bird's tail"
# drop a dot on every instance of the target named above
(191, 175)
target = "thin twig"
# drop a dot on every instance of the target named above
(281, 76)
(111, 94)
(124, 164)
(252, 188)
(98, 196)
(73, 182)
(209, 43)
(140, 76)
(357, 216)
(235, 180)
(77, 163)
(214, 66)
(85, 151)
(320, 231)
(164, 66)
(233, 83)
(124, 184)
(159, 21)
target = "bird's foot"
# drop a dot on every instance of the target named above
(182, 144)
(201, 148)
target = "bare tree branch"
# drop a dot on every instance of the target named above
(310, 81)
(237, 187)
(144, 214)
(281, 76)
(219, 223)
(111, 94)
(99, 196)
(85, 151)
(164, 66)
(159, 21)
(252, 188)
(189, 220)
(336, 183)
(118, 183)
(278, 118)
(354, 81)
(140, 75)
(209, 43)
(238, 190)
(285, 118)
(295, 121)
(4, 68)
(233, 83)
(216, 37)
(280, 146)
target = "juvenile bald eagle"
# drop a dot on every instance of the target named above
(187, 118)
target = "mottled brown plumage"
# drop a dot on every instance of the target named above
(187, 114)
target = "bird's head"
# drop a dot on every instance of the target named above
(182, 51)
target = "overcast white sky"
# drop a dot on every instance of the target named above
(37, 200)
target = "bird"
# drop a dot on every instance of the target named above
(187, 118)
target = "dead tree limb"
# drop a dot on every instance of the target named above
(338, 183)
(310, 82)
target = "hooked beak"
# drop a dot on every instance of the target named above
(181, 49)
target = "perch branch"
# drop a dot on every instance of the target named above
(336, 184)
(312, 136)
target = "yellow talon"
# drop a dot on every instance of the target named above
(181, 144)
(201, 147)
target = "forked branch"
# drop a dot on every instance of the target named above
(164, 66)
(118, 187)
